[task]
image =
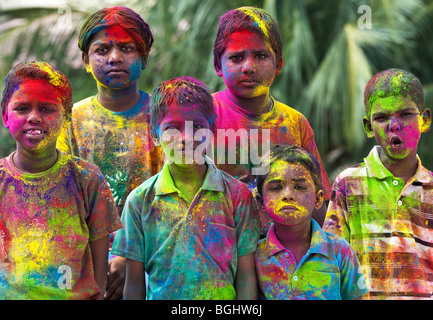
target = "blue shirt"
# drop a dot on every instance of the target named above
(328, 271)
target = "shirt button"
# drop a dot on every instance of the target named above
(400, 202)
(295, 278)
(395, 182)
(189, 217)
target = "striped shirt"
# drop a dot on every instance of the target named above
(389, 223)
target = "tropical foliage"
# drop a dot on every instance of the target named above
(330, 52)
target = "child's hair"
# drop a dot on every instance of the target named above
(251, 19)
(182, 90)
(393, 82)
(126, 18)
(38, 70)
(294, 155)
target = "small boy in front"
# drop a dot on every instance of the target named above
(298, 260)
(192, 228)
(56, 210)
(248, 56)
(384, 205)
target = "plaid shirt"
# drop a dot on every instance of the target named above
(389, 224)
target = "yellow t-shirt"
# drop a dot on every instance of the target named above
(119, 143)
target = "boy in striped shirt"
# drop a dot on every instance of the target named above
(384, 205)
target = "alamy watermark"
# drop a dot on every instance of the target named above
(65, 280)
(364, 21)
(185, 150)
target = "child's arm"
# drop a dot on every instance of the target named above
(246, 279)
(135, 287)
(99, 249)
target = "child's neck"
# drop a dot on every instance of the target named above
(34, 162)
(118, 100)
(257, 105)
(401, 168)
(296, 238)
(188, 179)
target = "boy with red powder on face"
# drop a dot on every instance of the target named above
(384, 206)
(248, 56)
(56, 210)
(111, 129)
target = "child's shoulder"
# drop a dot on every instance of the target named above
(79, 166)
(353, 172)
(83, 103)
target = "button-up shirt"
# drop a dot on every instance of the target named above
(328, 271)
(389, 223)
(189, 250)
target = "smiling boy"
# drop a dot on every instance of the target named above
(56, 210)
(383, 206)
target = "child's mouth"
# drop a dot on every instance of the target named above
(34, 132)
(396, 142)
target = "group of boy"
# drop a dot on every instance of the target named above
(115, 165)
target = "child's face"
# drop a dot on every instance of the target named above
(289, 194)
(113, 58)
(396, 124)
(184, 134)
(248, 65)
(34, 115)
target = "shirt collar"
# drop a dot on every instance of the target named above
(213, 180)
(319, 241)
(378, 170)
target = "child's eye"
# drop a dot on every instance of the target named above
(128, 48)
(274, 187)
(101, 50)
(236, 58)
(300, 187)
(261, 56)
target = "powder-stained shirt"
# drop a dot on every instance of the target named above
(328, 271)
(119, 143)
(389, 224)
(189, 250)
(47, 220)
(253, 132)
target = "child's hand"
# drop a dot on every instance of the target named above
(115, 278)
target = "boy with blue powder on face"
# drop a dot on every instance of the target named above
(298, 260)
(192, 228)
(111, 129)
(383, 206)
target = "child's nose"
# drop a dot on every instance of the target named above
(115, 55)
(34, 117)
(249, 65)
(287, 194)
(394, 124)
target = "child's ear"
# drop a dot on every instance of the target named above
(320, 196)
(425, 120)
(85, 59)
(144, 61)
(5, 118)
(367, 127)
(280, 67)
(260, 202)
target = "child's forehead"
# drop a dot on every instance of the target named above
(393, 103)
(114, 33)
(284, 169)
(36, 90)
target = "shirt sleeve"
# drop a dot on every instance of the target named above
(103, 218)
(129, 241)
(247, 222)
(352, 278)
(309, 144)
(335, 220)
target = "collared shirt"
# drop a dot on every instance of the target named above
(189, 250)
(119, 143)
(47, 221)
(389, 224)
(328, 271)
(255, 133)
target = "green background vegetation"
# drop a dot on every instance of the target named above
(328, 59)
